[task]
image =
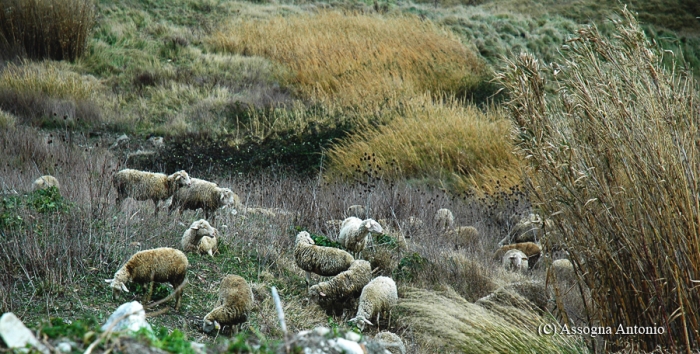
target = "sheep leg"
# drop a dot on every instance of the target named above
(156, 204)
(150, 288)
(378, 313)
(308, 279)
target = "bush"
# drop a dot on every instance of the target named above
(51, 29)
(446, 142)
(615, 151)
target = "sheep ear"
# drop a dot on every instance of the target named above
(222, 196)
(367, 321)
(321, 293)
(194, 227)
(109, 280)
(124, 288)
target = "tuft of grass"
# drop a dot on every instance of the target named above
(356, 61)
(7, 120)
(45, 29)
(460, 146)
(615, 152)
(444, 321)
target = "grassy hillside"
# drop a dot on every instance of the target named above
(307, 108)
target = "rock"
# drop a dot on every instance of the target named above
(352, 336)
(131, 316)
(346, 346)
(64, 347)
(17, 335)
(121, 140)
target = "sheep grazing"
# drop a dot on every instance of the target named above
(528, 229)
(208, 245)
(531, 250)
(378, 296)
(142, 185)
(234, 304)
(515, 260)
(206, 195)
(193, 240)
(354, 233)
(155, 265)
(391, 342)
(342, 287)
(325, 261)
(444, 219)
(45, 182)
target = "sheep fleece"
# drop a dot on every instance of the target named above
(325, 261)
(346, 284)
(236, 301)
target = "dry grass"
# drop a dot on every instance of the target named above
(357, 61)
(617, 158)
(45, 29)
(457, 145)
(445, 322)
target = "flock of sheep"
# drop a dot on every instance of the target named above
(350, 276)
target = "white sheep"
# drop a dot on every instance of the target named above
(325, 261)
(462, 236)
(142, 185)
(155, 265)
(193, 240)
(45, 182)
(515, 259)
(378, 296)
(234, 304)
(355, 231)
(344, 286)
(206, 195)
(444, 219)
(532, 250)
(391, 342)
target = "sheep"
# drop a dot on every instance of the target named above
(444, 219)
(356, 211)
(563, 270)
(234, 304)
(142, 185)
(391, 342)
(206, 195)
(194, 238)
(528, 229)
(325, 261)
(355, 231)
(208, 245)
(515, 259)
(342, 287)
(532, 250)
(378, 296)
(45, 182)
(155, 265)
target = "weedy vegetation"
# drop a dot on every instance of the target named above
(305, 109)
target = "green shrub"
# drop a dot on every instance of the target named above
(615, 153)
(52, 29)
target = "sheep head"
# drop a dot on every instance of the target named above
(181, 178)
(208, 326)
(116, 286)
(226, 196)
(304, 237)
(361, 322)
(372, 226)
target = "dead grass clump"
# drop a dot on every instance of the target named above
(458, 325)
(40, 29)
(357, 61)
(616, 155)
(50, 94)
(449, 142)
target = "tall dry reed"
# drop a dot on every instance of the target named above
(612, 136)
